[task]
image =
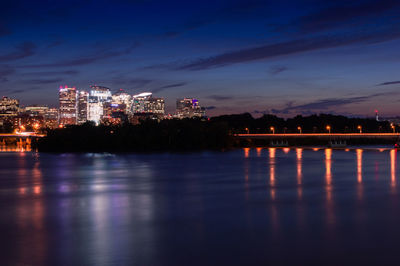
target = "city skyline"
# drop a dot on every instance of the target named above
(283, 58)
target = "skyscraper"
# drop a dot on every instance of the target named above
(68, 106)
(97, 98)
(83, 99)
(189, 108)
(145, 103)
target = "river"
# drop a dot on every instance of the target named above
(259, 206)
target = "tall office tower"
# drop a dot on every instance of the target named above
(8, 107)
(68, 106)
(188, 108)
(83, 99)
(121, 98)
(98, 96)
(145, 103)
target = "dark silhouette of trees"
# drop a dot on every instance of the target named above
(194, 134)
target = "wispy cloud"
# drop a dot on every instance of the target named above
(23, 50)
(88, 59)
(44, 81)
(346, 13)
(169, 86)
(388, 83)
(219, 97)
(275, 70)
(326, 104)
(290, 47)
(5, 71)
(51, 73)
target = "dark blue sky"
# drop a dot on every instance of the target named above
(282, 57)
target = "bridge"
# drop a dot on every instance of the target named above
(327, 136)
(321, 138)
(21, 135)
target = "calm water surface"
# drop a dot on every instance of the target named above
(244, 207)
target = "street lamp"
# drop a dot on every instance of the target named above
(272, 129)
(328, 128)
(360, 128)
(247, 130)
(299, 129)
(393, 127)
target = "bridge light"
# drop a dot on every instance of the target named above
(299, 129)
(272, 130)
(328, 128)
(360, 128)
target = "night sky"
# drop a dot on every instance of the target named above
(279, 57)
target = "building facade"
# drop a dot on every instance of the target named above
(83, 106)
(98, 97)
(8, 107)
(145, 103)
(68, 106)
(189, 108)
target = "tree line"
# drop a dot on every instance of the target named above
(193, 134)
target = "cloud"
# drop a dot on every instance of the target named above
(274, 70)
(388, 83)
(17, 91)
(23, 50)
(344, 14)
(88, 59)
(5, 71)
(44, 81)
(219, 97)
(4, 30)
(175, 85)
(326, 104)
(268, 51)
(234, 11)
(52, 73)
(210, 107)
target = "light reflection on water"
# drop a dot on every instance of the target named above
(146, 209)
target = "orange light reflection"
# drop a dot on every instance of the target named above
(246, 152)
(272, 172)
(393, 156)
(299, 155)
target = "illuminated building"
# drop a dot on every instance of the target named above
(95, 110)
(98, 96)
(145, 103)
(51, 118)
(103, 94)
(36, 110)
(51, 114)
(83, 98)
(189, 108)
(9, 107)
(68, 106)
(121, 98)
